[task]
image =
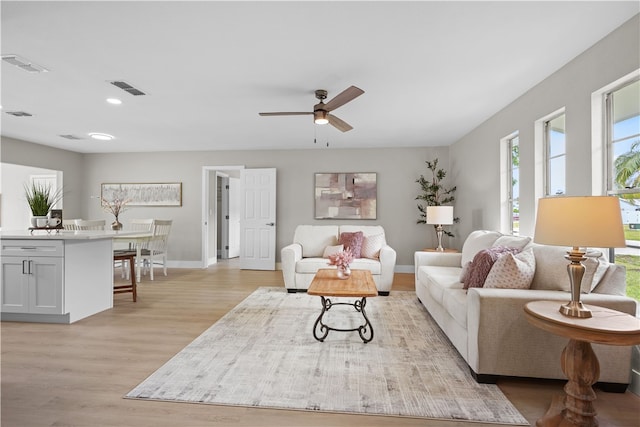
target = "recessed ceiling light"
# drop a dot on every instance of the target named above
(101, 136)
(114, 101)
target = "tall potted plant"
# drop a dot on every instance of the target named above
(433, 193)
(41, 198)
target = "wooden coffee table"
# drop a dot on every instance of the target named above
(360, 285)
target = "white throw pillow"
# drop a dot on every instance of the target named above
(477, 241)
(332, 250)
(512, 271)
(371, 246)
(512, 241)
(551, 271)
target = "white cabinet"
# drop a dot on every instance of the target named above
(32, 277)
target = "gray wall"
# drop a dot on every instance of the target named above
(475, 166)
(397, 170)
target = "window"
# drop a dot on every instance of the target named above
(622, 129)
(514, 188)
(555, 156)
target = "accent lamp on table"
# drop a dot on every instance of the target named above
(439, 216)
(579, 222)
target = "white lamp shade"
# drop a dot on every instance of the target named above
(439, 214)
(587, 221)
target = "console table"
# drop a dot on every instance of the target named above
(579, 362)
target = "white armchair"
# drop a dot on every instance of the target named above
(302, 258)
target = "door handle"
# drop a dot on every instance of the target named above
(30, 265)
(23, 265)
(271, 224)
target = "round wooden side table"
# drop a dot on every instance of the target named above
(579, 362)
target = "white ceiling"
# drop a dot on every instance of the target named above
(431, 71)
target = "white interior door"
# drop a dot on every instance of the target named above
(258, 222)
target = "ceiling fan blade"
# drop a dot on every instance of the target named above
(292, 113)
(343, 97)
(339, 123)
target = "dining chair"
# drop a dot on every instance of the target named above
(90, 224)
(156, 252)
(69, 224)
(141, 225)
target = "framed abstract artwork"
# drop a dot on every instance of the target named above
(346, 195)
(145, 194)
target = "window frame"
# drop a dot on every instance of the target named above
(547, 152)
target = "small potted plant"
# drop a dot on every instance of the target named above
(115, 207)
(41, 198)
(342, 260)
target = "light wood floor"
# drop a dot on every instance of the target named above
(77, 375)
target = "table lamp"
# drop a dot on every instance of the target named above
(439, 215)
(579, 222)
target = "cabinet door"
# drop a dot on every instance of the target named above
(45, 285)
(15, 285)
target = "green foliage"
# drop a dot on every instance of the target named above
(41, 198)
(632, 264)
(627, 168)
(434, 193)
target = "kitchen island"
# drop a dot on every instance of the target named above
(56, 276)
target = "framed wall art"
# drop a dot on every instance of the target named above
(144, 194)
(346, 195)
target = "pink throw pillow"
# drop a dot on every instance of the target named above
(352, 241)
(481, 265)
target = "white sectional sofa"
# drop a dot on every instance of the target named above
(302, 258)
(488, 326)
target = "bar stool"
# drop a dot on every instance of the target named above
(127, 255)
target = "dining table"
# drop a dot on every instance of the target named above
(140, 241)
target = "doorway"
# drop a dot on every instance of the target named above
(221, 213)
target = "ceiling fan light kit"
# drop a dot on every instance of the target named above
(320, 117)
(321, 110)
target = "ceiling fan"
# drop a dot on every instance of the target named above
(321, 111)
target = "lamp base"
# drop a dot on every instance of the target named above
(439, 232)
(575, 309)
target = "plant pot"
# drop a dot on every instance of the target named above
(116, 225)
(34, 220)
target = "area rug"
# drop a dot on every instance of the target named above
(263, 354)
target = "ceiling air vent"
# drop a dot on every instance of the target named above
(23, 64)
(19, 113)
(127, 87)
(71, 137)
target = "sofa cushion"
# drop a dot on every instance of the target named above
(315, 238)
(512, 241)
(475, 242)
(512, 271)
(371, 246)
(439, 279)
(482, 263)
(373, 266)
(551, 269)
(332, 250)
(455, 302)
(311, 265)
(353, 241)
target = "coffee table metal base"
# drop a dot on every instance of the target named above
(320, 330)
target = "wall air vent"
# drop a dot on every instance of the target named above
(127, 87)
(71, 137)
(23, 64)
(19, 113)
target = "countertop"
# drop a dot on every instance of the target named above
(63, 234)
